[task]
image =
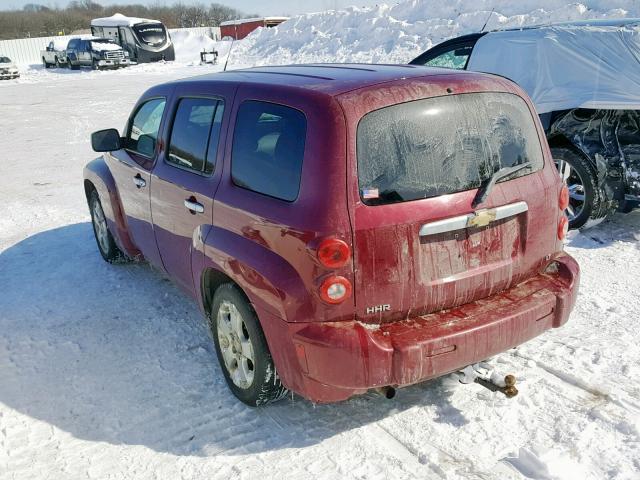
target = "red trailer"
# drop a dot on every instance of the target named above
(238, 29)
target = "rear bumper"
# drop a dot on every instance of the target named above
(328, 362)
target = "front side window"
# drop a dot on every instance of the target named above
(268, 147)
(195, 134)
(143, 131)
(455, 58)
(426, 148)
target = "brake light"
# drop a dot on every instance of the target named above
(333, 253)
(563, 227)
(335, 289)
(563, 201)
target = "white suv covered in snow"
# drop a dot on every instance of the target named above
(8, 69)
(584, 79)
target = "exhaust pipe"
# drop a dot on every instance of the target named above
(387, 392)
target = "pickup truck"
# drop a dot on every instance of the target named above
(53, 56)
(97, 53)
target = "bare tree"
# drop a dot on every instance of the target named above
(38, 20)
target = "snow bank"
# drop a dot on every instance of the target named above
(188, 45)
(396, 34)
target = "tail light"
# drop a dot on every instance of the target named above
(333, 253)
(563, 200)
(563, 227)
(335, 289)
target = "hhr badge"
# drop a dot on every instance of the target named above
(378, 309)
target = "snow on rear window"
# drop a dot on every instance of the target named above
(426, 148)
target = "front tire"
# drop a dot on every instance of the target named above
(106, 244)
(242, 349)
(587, 200)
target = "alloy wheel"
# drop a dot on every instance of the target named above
(575, 184)
(100, 226)
(235, 345)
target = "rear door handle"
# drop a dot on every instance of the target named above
(139, 182)
(193, 206)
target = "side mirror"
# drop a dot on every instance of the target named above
(106, 140)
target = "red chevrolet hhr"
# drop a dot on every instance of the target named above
(342, 227)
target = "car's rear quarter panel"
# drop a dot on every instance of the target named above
(262, 243)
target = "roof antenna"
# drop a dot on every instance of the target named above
(235, 35)
(488, 18)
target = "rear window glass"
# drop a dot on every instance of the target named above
(268, 146)
(442, 145)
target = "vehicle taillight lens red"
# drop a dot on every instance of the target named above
(335, 289)
(563, 201)
(563, 227)
(333, 253)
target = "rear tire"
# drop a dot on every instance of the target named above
(586, 199)
(44, 62)
(106, 244)
(242, 349)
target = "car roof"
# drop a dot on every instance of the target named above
(606, 22)
(329, 78)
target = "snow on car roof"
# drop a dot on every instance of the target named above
(569, 65)
(602, 22)
(119, 20)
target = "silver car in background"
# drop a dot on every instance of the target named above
(8, 69)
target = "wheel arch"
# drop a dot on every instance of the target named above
(97, 176)
(268, 281)
(210, 280)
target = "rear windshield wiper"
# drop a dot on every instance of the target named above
(485, 188)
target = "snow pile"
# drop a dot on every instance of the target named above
(398, 33)
(188, 46)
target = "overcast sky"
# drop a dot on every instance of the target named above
(262, 7)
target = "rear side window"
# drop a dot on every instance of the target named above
(455, 58)
(268, 146)
(143, 132)
(442, 145)
(195, 134)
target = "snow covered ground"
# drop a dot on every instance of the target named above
(107, 371)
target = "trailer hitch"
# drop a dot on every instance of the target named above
(482, 373)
